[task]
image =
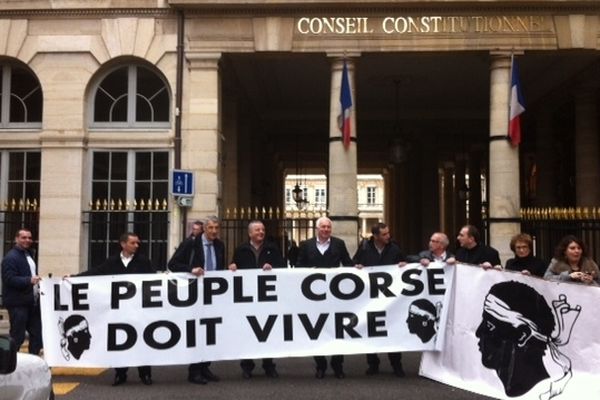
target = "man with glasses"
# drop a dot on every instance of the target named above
(436, 252)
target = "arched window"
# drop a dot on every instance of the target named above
(130, 96)
(21, 97)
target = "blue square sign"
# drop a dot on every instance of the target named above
(182, 183)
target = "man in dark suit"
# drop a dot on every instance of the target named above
(471, 251)
(380, 250)
(325, 251)
(436, 251)
(20, 281)
(128, 261)
(257, 253)
(201, 254)
(185, 252)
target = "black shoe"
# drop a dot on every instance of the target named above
(399, 371)
(197, 379)
(320, 374)
(271, 372)
(246, 374)
(146, 380)
(339, 374)
(119, 380)
(208, 375)
(372, 370)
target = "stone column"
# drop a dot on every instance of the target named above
(504, 196)
(343, 207)
(64, 160)
(587, 165)
(201, 132)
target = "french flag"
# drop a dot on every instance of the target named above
(346, 102)
(517, 106)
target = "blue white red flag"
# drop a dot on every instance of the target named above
(346, 102)
(517, 106)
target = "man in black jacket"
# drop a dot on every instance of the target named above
(198, 254)
(325, 251)
(472, 252)
(20, 281)
(185, 252)
(128, 261)
(380, 250)
(257, 253)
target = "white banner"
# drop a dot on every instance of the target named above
(510, 336)
(164, 319)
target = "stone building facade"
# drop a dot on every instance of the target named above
(100, 100)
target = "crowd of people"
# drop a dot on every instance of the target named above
(203, 251)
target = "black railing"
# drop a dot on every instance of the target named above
(22, 214)
(286, 230)
(150, 220)
(549, 225)
(16, 216)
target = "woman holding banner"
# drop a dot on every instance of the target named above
(571, 263)
(524, 260)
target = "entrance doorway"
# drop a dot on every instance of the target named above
(422, 124)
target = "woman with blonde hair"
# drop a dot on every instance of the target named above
(524, 260)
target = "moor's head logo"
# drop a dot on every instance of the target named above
(516, 329)
(75, 336)
(423, 319)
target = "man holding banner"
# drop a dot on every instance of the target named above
(471, 251)
(205, 252)
(325, 251)
(257, 253)
(21, 292)
(128, 261)
(380, 250)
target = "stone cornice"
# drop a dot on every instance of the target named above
(332, 7)
(94, 12)
(287, 8)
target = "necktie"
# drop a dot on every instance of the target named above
(208, 262)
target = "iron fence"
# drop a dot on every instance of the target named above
(286, 229)
(14, 216)
(548, 225)
(17, 214)
(106, 221)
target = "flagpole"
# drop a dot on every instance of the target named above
(512, 64)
